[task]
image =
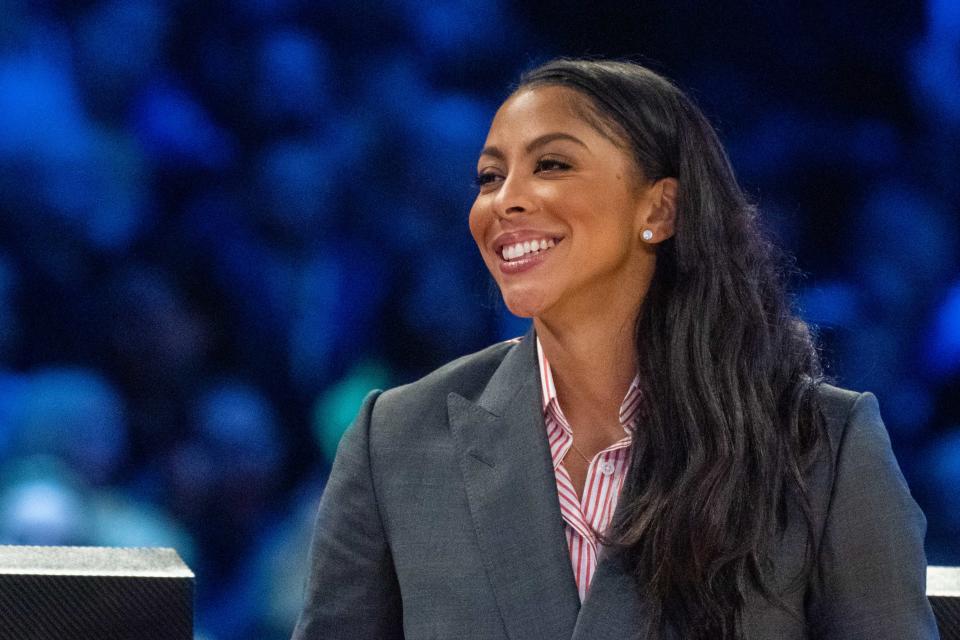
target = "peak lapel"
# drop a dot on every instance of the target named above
(614, 606)
(511, 490)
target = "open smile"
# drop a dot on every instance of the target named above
(520, 250)
(518, 257)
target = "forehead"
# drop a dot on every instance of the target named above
(533, 110)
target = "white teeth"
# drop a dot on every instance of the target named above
(514, 251)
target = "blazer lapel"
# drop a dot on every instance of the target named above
(613, 606)
(511, 491)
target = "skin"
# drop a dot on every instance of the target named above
(545, 170)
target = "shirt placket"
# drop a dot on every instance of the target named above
(570, 506)
(601, 485)
(591, 512)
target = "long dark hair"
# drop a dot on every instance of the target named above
(728, 371)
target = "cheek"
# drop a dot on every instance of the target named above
(478, 223)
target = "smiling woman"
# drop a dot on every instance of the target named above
(660, 457)
(546, 175)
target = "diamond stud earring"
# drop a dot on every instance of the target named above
(647, 235)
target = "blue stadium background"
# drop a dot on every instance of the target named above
(221, 223)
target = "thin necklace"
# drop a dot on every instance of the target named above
(585, 458)
(580, 453)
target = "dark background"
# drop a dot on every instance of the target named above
(221, 223)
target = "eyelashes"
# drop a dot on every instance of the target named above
(551, 165)
(486, 177)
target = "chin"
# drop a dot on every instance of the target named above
(524, 303)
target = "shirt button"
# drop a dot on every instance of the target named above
(606, 467)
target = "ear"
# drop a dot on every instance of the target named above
(660, 211)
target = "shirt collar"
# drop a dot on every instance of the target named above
(629, 408)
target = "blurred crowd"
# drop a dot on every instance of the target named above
(222, 223)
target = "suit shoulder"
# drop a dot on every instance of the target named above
(836, 403)
(844, 410)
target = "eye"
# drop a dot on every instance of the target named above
(484, 178)
(548, 164)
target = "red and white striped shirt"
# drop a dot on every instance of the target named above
(605, 476)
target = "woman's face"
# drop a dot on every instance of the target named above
(560, 210)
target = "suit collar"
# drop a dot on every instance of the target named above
(512, 496)
(516, 371)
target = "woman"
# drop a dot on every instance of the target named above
(659, 457)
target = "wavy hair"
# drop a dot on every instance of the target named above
(729, 371)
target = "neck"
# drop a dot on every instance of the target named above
(593, 361)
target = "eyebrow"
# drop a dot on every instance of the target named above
(533, 144)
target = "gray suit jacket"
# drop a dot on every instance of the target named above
(440, 520)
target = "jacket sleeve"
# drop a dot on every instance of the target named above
(352, 592)
(871, 576)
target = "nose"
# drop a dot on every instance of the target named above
(513, 197)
